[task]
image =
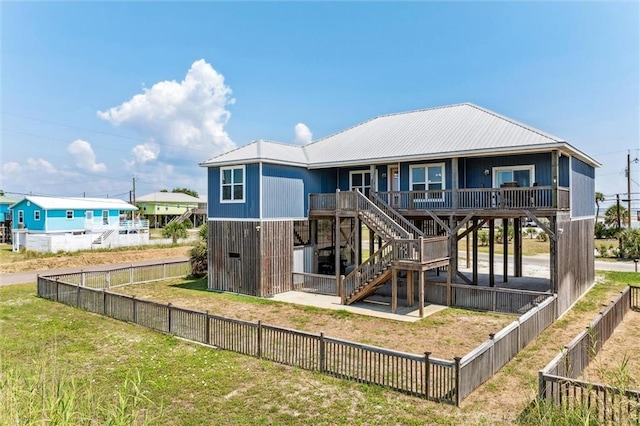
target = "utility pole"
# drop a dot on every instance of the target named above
(629, 189)
(618, 222)
(134, 190)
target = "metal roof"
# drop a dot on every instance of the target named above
(54, 203)
(262, 150)
(461, 129)
(167, 197)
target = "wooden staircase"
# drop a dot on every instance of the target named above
(403, 244)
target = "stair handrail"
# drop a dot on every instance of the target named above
(364, 272)
(395, 215)
(365, 204)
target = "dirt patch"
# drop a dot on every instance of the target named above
(82, 259)
(449, 333)
(617, 364)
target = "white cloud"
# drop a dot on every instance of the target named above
(303, 134)
(188, 116)
(145, 152)
(85, 157)
(40, 165)
(11, 167)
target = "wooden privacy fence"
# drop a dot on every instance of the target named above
(558, 381)
(418, 375)
(315, 283)
(484, 361)
(127, 275)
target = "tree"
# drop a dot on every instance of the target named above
(599, 199)
(186, 191)
(631, 243)
(164, 190)
(198, 256)
(611, 215)
(175, 230)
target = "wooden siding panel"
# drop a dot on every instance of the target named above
(575, 252)
(583, 189)
(250, 209)
(234, 257)
(276, 257)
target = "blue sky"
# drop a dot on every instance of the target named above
(94, 93)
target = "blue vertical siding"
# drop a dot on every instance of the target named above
(472, 169)
(583, 189)
(250, 209)
(564, 171)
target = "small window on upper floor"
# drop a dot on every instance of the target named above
(36, 215)
(69, 214)
(232, 184)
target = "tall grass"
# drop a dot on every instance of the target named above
(44, 394)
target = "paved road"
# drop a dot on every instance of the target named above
(542, 260)
(30, 277)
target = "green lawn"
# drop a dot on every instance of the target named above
(59, 363)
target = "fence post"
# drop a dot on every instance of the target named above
(323, 365)
(343, 290)
(542, 388)
(493, 353)
(259, 339)
(427, 373)
(420, 241)
(207, 330)
(78, 297)
(134, 308)
(104, 302)
(164, 271)
(458, 380)
(131, 274)
(57, 297)
(108, 279)
(83, 278)
(169, 317)
(494, 300)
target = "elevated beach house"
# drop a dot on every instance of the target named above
(392, 197)
(160, 208)
(51, 224)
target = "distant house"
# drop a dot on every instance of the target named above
(161, 208)
(5, 218)
(412, 179)
(51, 224)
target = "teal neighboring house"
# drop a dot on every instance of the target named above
(51, 223)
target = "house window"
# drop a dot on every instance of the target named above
(21, 216)
(428, 177)
(522, 175)
(88, 215)
(105, 217)
(360, 181)
(36, 215)
(69, 214)
(232, 185)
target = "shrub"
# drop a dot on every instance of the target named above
(542, 236)
(631, 243)
(175, 230)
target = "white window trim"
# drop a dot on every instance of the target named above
(66, 215)
(426, 176)
(496, 170)
(36, 215)
(244, 184)
(352, 172)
